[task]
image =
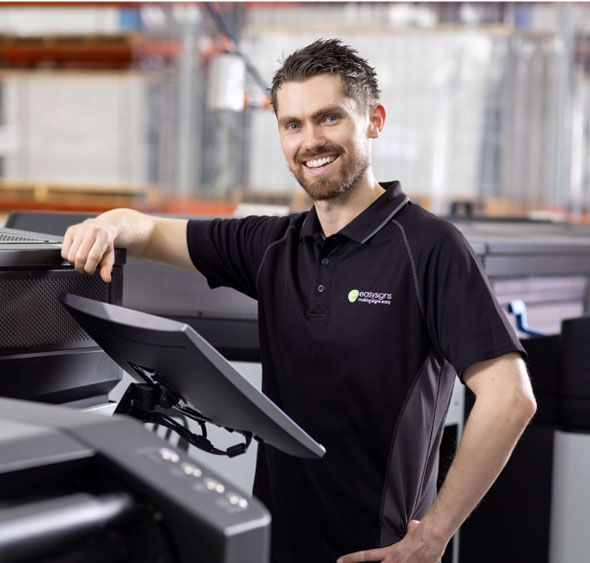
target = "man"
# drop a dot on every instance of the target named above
(368, 308)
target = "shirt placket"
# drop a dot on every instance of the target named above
(324, 274)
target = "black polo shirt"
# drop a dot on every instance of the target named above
(361, 336)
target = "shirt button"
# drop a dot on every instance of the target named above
(321, 288)
(325, 261)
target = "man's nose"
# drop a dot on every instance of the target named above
(313, 138)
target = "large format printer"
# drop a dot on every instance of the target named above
(80, 487)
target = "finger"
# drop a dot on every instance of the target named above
(67, 243)
(72, 250)
(88, 248)
(71, 242)
(99, 248)
(81, 250)
(106, 265)
(366, 555)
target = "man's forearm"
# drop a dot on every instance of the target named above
(503, 407)
(91, 244)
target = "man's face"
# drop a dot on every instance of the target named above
(324, 136)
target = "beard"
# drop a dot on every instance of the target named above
(337, 182)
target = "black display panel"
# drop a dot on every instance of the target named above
(164, 352)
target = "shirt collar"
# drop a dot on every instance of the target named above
(366, 225)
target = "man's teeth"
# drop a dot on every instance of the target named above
(320, 162)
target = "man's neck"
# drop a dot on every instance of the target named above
(334, 214)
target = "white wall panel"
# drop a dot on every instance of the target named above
(71, 20)
(75, 128)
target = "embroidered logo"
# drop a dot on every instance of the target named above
(370, 297)
(353, 295)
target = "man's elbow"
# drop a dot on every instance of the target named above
(518, 405)
(524, 405)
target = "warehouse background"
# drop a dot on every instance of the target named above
(161, 106)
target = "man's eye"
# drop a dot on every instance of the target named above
(292, 126)
(331, 118)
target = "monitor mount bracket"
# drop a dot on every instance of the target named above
(153, 402)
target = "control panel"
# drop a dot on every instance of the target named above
(201, 481)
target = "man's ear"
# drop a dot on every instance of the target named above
(376, 120)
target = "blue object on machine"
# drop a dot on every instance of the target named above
(518, 309)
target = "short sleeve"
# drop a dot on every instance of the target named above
(228, 252)
(464, 318)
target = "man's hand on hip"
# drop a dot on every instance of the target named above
(413, 548)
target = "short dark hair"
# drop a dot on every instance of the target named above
(329, 56)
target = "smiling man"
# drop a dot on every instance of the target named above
(325, 142)
(369, 309)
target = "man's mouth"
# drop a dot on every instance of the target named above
(319, 162)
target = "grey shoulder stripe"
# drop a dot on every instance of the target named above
(388, 219)
(413, 264)
(267, 251)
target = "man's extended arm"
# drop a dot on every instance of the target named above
(503, 407)
(91, 244)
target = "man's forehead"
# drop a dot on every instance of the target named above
(310, 95)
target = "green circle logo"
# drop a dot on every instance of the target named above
(353, 295)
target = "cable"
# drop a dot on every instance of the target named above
(200, 442)
(144, 402)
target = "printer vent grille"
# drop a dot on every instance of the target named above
(14, 238)
(32, 316)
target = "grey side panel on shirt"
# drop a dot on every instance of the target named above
(412, 472)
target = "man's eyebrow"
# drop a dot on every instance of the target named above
(285, 120)
(327, 110)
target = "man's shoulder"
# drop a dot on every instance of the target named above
(277, 224)
(252, 234)
(427, 230)
(274, 226)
